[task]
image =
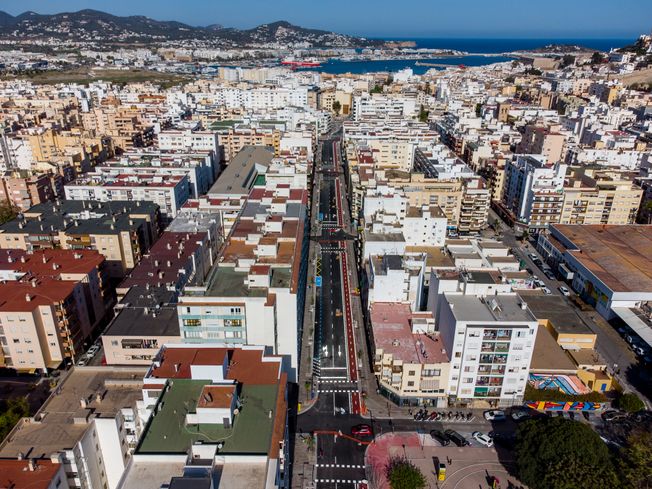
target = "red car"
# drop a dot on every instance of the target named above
(361, 430)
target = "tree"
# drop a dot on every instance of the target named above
(12, 411)
(423, 114)
(636, 460)
(403, 474)
(630, 402)
(567, 60)
(337, 106)
(564, 454)
(597, 58)
(7, 212)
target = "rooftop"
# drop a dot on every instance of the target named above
(242, 170)
(502, 309)
(146, 311)
(619, 256)
(548, 355)
(251, 431)
(562, 316)
(16, 474)
(392, 332)
(63, 420)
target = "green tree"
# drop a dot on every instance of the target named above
(564, 454)
(597, 58)
(7, 212)
(376, 89)
(630, 402)
(636, 460)
(12, 411)
(567, 60)
(337, 106)
(403, 474)
(423, 114)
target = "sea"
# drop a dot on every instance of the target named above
(482, 52)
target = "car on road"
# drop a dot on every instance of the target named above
(495, 415)
(361, 430)
(441, 437)
(564, 291)
(613, 415)
(81, 362)
(533, 257)
(546, 291)
(456, 438)
(483, 439)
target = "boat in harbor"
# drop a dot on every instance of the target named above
(300, 63)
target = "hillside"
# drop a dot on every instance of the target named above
(100, 27)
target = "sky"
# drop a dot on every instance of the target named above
(390, 18)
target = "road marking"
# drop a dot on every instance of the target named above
(339, 466)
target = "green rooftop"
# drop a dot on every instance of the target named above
(224, 124)
(260, 180)
(251, 432)
(227, 282)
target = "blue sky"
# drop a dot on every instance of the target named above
(390, 18)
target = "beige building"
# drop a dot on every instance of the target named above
(233, 140)
(52, 301)
(544, 141)
(598, 196)
(392, 154)
(327, 98)
(410, 361)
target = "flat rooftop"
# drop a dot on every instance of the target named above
(562, 316)
(228, 282)
(63, 420)
(619, 256)
(241, 172)
(392, 332)
(435, 257)
(502, 308)
(549, 356)
(146, 311)
(250, 433)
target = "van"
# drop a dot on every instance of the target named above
(456, 438)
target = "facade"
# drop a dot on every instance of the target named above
(490, 342)
(121, 231)
(22, 191)
(410, 363)
(534, 190)
(52, 302)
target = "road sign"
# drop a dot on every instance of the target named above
(318, 281)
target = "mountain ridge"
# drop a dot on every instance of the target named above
(101, 27)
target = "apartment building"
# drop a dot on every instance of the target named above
(490, 343)
(410, 361)
(541, 140)
(189, 141)
(22, 189)
(121, 231)
(53, 300)
(234, 139)
(88, 425)
(599, 196)
(168, 192)
(213, 415)
(534, 190)
(395, 278)
(255, 293)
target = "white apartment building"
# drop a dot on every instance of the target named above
(490, 343)
(534, 189)
(380, 106)
(394, 278)
(170, 192)
(188, 140)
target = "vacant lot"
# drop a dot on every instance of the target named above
(638, 77)
(86, 75)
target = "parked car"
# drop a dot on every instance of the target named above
(613, 415)
(495, 415)
(81, 362)
(564, 291)
(483, 439)
(547, 291)
(441, 437)
(361, 430)
(521, 415)
(533, 257)
(456, 438)
(639, 350)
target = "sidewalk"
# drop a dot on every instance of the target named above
(303, 472)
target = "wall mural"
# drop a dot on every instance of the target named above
(565, 406)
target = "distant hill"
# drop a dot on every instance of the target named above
(93, 25)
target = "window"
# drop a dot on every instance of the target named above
(411, 383)
(192, 322)
(468, 380)
(458, 354)
(411, 372)
(16, 340)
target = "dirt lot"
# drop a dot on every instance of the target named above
(85, 75)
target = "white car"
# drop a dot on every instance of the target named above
(564, 291)
(547, 291)
(495, 415)
(483, 439)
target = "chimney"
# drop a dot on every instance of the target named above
(31, 463)
(45, 260)
(28, 297)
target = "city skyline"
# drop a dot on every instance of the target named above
(581, 19)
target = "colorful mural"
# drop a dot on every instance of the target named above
(566, 406)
